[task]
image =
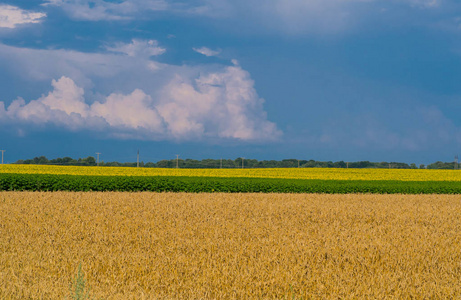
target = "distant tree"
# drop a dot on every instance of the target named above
(340, 164)
(162, 164)
(361, 164)
(208, 163)
(191, 163)
(382, 165)
(56, 161)
(310, 164)
(68, 160)
(397, 165)
(237, 163)
(269, 164)
(289, 163)
(42, 160)
(229, 163)
(251, 163)
(440, 165)
(89, 161)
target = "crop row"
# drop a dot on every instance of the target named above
(46, 182)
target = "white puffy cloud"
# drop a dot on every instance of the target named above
(223, 104)
(207, 51)
(215, 105)
(11, 16)
(66, 97)
(64, 106)
(133, 111)
(141, 48)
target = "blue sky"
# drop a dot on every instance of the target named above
(267, 79)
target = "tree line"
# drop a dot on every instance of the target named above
(235, 163)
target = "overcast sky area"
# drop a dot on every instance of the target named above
(351, 80)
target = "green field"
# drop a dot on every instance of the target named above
(47, 182)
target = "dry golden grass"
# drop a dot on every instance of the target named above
(230, 246)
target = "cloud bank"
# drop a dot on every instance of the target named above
(98, 10)
(283, 16)
(215, 105)
(11, 16)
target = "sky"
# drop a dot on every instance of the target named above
(327, 80)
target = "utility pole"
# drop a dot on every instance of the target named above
(220, 166)
(97, 153)
(243, 161)
(177, 161)
(2, 155)
(298, 163)
(456, 163)
(347, 165)
(137, 160)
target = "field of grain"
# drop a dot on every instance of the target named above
(288, 173)
(230, 246)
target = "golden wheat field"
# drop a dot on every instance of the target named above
(293, 173)
(230, 246)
